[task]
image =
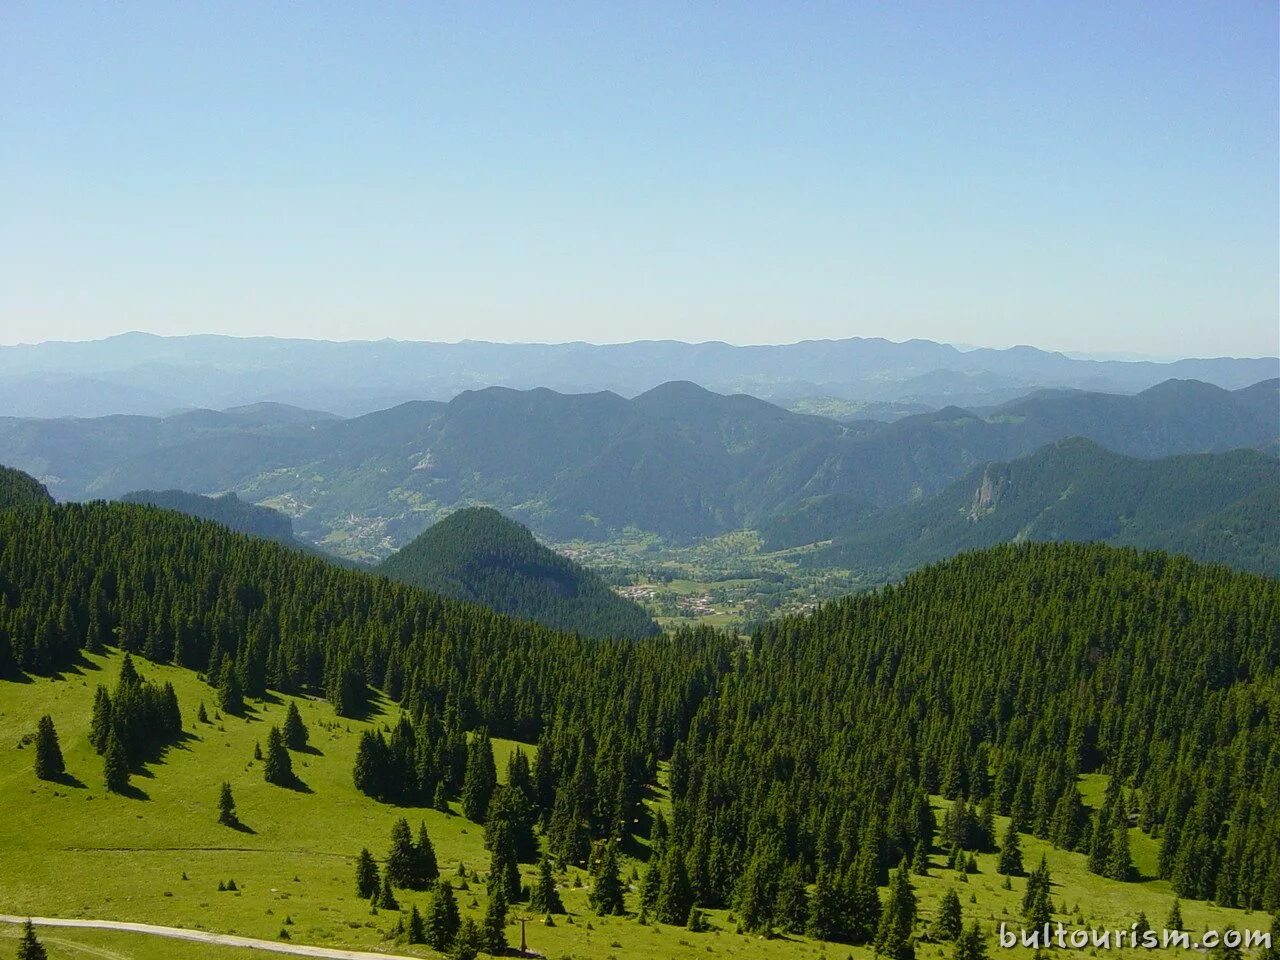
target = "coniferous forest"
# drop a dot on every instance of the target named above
(801, 760)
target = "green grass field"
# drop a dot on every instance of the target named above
(72, 850)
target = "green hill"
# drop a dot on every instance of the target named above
(478, 555)
(17, 489)
(1219, 508)
(1052, 687)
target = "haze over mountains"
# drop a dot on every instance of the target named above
(678, 460)
(144, 374)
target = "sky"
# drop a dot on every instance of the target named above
(1078, 176)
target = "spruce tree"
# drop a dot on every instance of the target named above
(442, 918)
(971, 945)
(468, 941)
(606, 891)
(792, 909)
(49, 764)
(277, 767)
(826, 908)
(425, 868)
(295, 731)
(676, 896)
(1037, 907)
(651, 885)
(493, 928)
(1119, 863)
(230, 696)
(544, 898)
(1174, 922)
(1010, 862)
(367, 879)
(100, 725)
(898, 917)
(414, 930)
(115, 766)
(388, 899)
(400, 869)
(480, 779)
(29, 947)
(226, 806)
(950, 922)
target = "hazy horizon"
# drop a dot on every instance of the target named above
(1088, 180)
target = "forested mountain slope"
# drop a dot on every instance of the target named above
(227, 509)
(17, 489)
(480, 556)
(997, 677)
(1219, 508)
(678, 461)
(803, 760)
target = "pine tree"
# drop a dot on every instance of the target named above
(100, 725)
(1119, 863)
(676, 896)
(415, 932)
(606, 890)
(295, 731)
(230, 695)
(1010, 861)
(226, 806)
(278, 767)
(49, 764)
(29, 947)
(651, 885)
(440, 801)
(425, 867)
(493, 928)
(792, 910)
(480, 779)
(950, 923)
(388, 899)
(827, 909)
(1175, 916)
(897, 919)
(697, 922)
(468, 942)
(1037, 907)
(400, 869)
(442, 918)
(115, 766)
(367, 879)
(544, 898)
(971, 945)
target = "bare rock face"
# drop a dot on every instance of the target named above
(995, 480)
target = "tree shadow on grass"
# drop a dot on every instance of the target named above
(309, 750)
(69, 780)
(241, 827)
(134, 792)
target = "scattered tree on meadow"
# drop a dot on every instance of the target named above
(49, 764)
(493, 928)
(401, 867)
(480, 779)
(1010, 862)
(29, 946)
(1037, 907)
(367, 879)
(295, 731)
(415, 931)
(468, 942)
(1174, 921)
(115, 765)
(544, 898)
(898, 917)
(950, 923)
(442, 918)
(226, 806)
(606, 890)
(277, 767)
(971, 945)
(675, 897)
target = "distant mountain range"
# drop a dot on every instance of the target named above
(143, 374)
(677, 460)
(480, 556)
(1220, 508)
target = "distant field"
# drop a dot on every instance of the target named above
(75, 851)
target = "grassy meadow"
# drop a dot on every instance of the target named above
(70, 849)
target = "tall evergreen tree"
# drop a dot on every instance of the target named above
(480, 779)
(443, 919)
(277, 767)
(100, 725)
(676, 896)
(897, 919)
(493, 928)
(227, 807)
(295, 731)
(950, 923)
(1010, 862)
(544, 898)
(415, 932)
(425, 867)
(367, 879)
(971, 945)
(29, 946)
(606, 890)
(115, 766)
(1174, 921)
(49, 764)
(401, 868)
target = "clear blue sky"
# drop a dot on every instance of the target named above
(1082, 176)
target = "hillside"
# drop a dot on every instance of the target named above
(1219, 508)
(480, 556)
(17, 489)
(227, 509)
(1050, 685)
(677, 461)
